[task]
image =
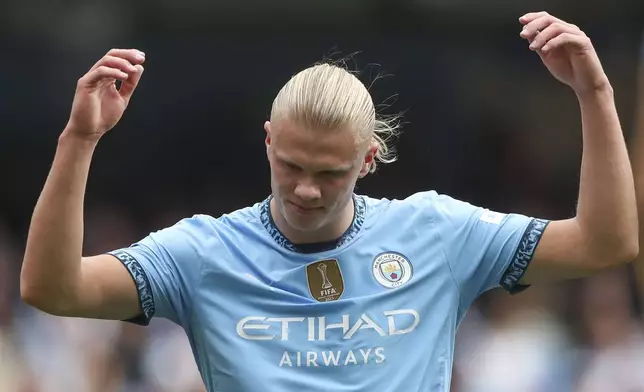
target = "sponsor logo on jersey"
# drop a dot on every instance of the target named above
(325, 280)
(335, 340)
(363, 356)
(392, 269)
(399, 322)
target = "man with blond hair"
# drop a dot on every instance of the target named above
(316, 287)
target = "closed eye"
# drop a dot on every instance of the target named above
(333, 173)
(291, 166)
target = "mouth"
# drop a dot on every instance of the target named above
(303, 209)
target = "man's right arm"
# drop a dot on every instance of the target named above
(55, 278)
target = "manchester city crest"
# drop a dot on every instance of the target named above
(391, 269)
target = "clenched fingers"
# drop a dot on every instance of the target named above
(532, 26)
(129, 85)
(554, 30)
(134, 56)
(101, 74)
(543, 31)
(564, 39)
(115, 62)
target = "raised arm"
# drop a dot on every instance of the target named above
(55, 278)
(604, 232)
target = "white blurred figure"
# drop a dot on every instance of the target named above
(13, 374)
(522, 347)
(615, 358)
(66, 354)
(169, 365)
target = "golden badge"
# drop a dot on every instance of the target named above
(325, 280)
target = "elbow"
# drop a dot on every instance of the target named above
(28, 291)
(41, 298)
(31, 295)
(44, 303)
(629, 250)
(629, 244)
(616, 251)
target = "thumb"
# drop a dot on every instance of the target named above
(129, 85)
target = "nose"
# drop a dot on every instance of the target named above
(307, 191)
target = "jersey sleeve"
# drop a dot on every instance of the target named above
(485, 249)
(166, 268)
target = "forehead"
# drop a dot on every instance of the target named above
(305, 146)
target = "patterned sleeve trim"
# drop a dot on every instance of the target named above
(146, 299)
(523, 256)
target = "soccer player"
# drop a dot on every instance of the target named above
(316, 287)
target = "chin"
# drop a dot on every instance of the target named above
(304, 224)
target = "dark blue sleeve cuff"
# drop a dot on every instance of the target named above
(146, 299)
(523, 256)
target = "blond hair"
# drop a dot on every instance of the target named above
(328, 96)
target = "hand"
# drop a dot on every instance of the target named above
(98, 104)
(565, 50)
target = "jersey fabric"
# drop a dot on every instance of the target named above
(376, 311)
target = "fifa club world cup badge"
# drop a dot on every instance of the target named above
(325, 280)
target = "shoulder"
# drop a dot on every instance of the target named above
(425, 201)
(244, 217)
(430, 207)
(200, 229)
(239, 224)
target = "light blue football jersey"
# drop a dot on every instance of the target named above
(375, 311)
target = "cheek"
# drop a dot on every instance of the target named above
(339, 188)
(282, 179)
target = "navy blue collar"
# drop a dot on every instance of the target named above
(358, 220)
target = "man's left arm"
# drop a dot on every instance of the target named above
(604, 232)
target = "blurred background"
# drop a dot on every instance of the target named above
(485, 123)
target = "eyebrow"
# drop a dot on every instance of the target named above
(333, 170)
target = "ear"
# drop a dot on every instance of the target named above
(267, 128)
(267, 140)
(369, 158)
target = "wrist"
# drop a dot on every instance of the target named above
(77, 140)
(597, 92)
(72, 136)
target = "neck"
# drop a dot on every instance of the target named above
(329, 232)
